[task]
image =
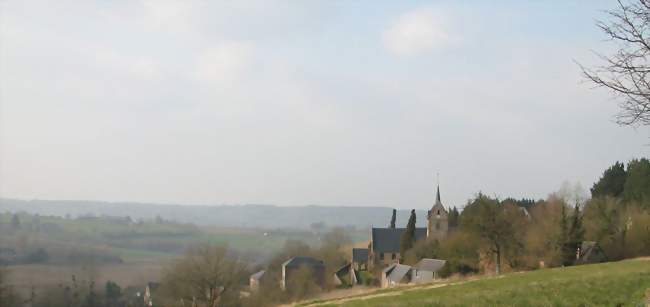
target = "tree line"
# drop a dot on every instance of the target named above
(493, 234)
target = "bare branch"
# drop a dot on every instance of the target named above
(626, 72)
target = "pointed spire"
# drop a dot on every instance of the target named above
(438, 196)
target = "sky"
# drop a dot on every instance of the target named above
(349, 103)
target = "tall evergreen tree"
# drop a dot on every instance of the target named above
(637, 184)
(408, 237)
(570, 236)
(453, 217)
(393, 218)
(563, 235)
(576, 231)
(612, 182)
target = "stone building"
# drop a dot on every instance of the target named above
(290, 267)
(360, 259)
(384, 247)
(255, 280)
(438, 220)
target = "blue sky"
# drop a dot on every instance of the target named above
(295, 103)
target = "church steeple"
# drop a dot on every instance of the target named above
(438, 224)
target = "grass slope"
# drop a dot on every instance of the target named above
(609, 284)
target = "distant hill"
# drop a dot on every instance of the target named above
(248, 216)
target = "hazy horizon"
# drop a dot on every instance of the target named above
(302, 103)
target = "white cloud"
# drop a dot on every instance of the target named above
(168, 14)
(224, 63)
(417, 32)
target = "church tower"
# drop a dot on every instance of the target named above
(438, 220)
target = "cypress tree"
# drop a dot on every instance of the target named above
(576, 234)
(408, 237)
(562, 236)
(392, 219)
(565, 242)
(453, 217)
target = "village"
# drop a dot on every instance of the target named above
(383, 256)
(192, 153)
(383, 252)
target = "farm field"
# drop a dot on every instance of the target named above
(25, 276)
(621, 283)
(47, 251)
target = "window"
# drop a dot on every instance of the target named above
(438, 212)
(393, 256)
(381, 256)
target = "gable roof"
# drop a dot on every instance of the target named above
(343, 270)
(303, 261)
(258, 275)
(359, 255)
(430, 265)
(590, 251)
(387, 240)
(389, 268)
(396, 272)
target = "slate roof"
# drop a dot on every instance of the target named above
(396, 272)
(387, 240)
(343, 270)
(587, 246)
(438, 207)
(389, 268)
(360, 255)
(590, 251)
(301, 260)
(430, 265)
(258, 275)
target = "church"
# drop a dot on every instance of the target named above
(384, 247)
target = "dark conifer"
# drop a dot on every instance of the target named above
(408, 237)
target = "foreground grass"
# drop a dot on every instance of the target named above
(609, 284)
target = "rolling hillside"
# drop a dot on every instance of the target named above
(621, 283)
(242, 216)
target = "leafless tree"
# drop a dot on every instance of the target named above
(207, 275)
(626, 71)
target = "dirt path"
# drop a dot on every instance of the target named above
(398, 291)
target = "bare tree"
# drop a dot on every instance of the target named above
(625, 72)
(207, 275)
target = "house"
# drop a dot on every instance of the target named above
(255, 279)
(385, 244)
(291, 267)
(360, 259)
(395, 274)
(426, 270)
(149, 290)
(590, 252)
(384, 248)
(345, 275)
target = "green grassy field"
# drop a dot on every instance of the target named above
(145, 241)
(130, 253)
(621, 283)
